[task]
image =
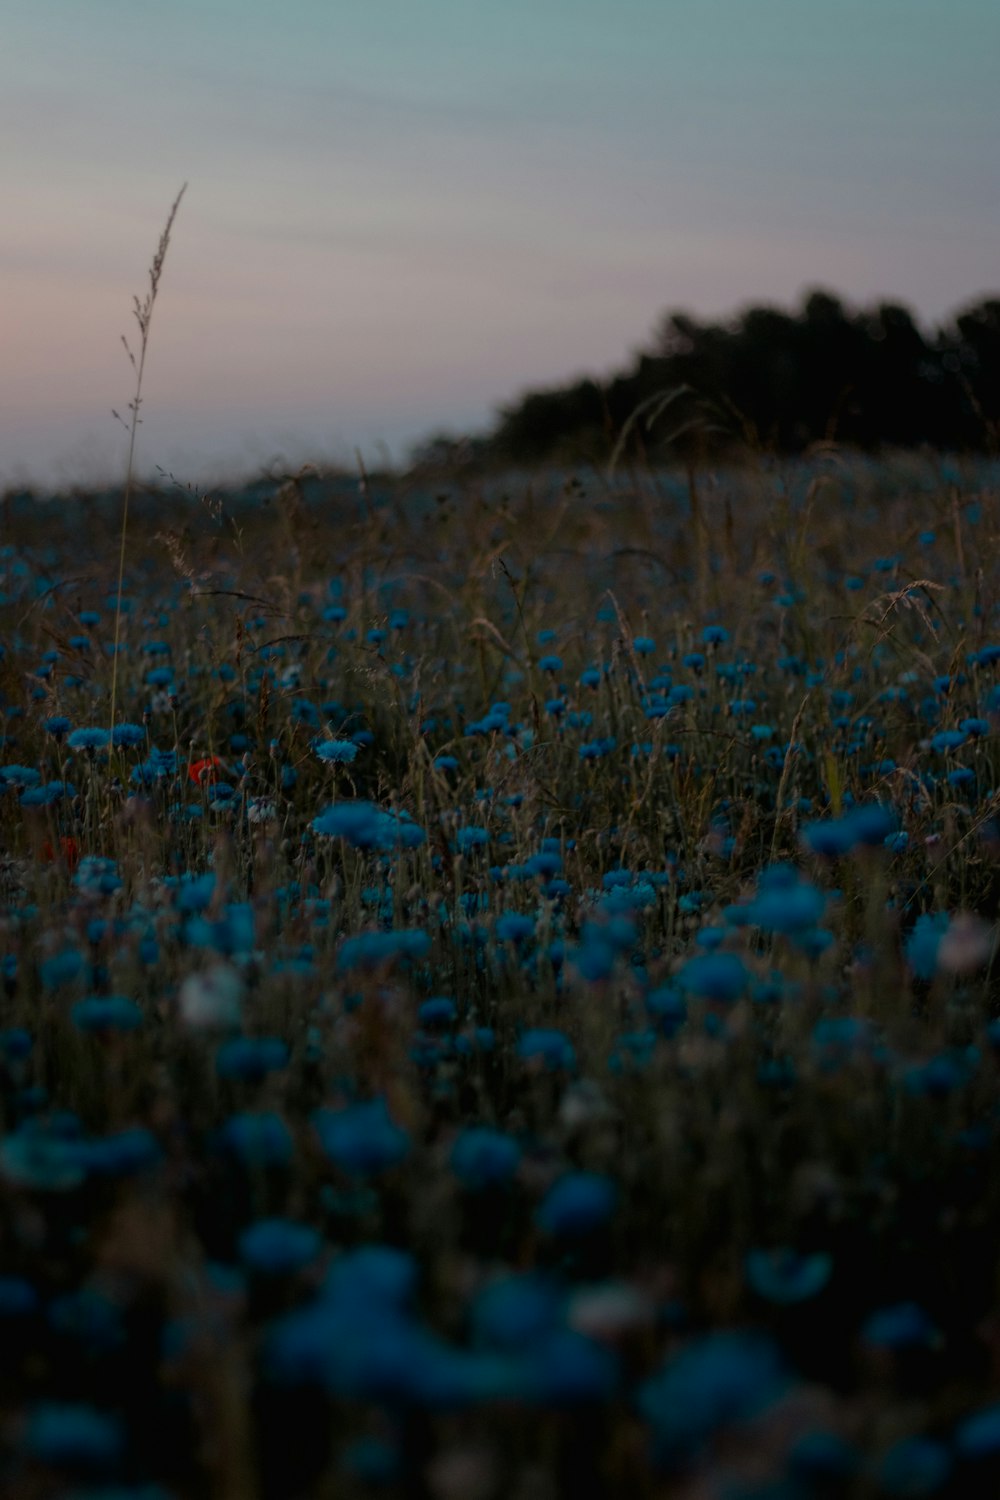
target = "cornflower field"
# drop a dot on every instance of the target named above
(499, 987)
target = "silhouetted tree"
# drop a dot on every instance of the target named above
(776, 380)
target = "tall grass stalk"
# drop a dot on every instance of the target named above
(143, 314)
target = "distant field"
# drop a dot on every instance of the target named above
(510, 1006)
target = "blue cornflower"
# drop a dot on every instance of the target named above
(978, 1436)
(714, 976)
(277, 1247)
(785, 1277)
(948, 739)
(127, 736)
(365, 826)
(19, 777)
(75, 1437)
(787, 909)
(439, 1011)
(260, 1139)
(370, 950)
(577, 1204)
(106, 1013)
(914, 1467)
(88, 739)
(482, 1157)
(922, 945)
(58, 726)
(251, 1058)
(34, 1157)
(514, 927)
(470, 838)
(718, 1380)
(336, 752)
(597, 749)
(362, 1139)
(867, 825)
(18, 1298)
(548, 1046)
(905, 1325)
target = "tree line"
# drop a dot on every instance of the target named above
(771, 380)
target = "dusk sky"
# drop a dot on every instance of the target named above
(402, 213)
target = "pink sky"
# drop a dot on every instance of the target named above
(394, 225)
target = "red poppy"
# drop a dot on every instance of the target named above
(69, 852)
(203, 772)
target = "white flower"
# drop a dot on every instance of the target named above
(212, 1000)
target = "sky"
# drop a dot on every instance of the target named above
(401, 214)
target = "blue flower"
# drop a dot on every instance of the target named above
(336, 752)
(866, 826)
(370, 950)
(576, 1204)
(365, 826)
(89, 739)
(914, 1468)
(258, 1139)
(565, 1368)
(514, 927)
(362, 1139)
(822, 1458)
(948, 739)
(18, 1298)
(251, 1058)
(61, 969)
(904, 1325)
(516, 1311)
(470, 838)
(440, 1011)
(75, 1437)
(482, 1157)
(978, 1436)
(48, 795)
(19, 776)
(122, 1154)
(277, 1247)
(97, 876)
(126, 736)
(32, 1157)
(785, 1277)
(371, 1460)
(597, 749)
(787, 909)
(106, 1013)
(718, 1380)
(922, 945)
(551, 1047)
(714, 976)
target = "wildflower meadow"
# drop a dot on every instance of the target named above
(499, 982)
(506, 1006)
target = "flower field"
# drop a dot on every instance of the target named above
(500, 988)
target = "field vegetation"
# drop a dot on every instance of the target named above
(499, 982)
(509, 1008)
